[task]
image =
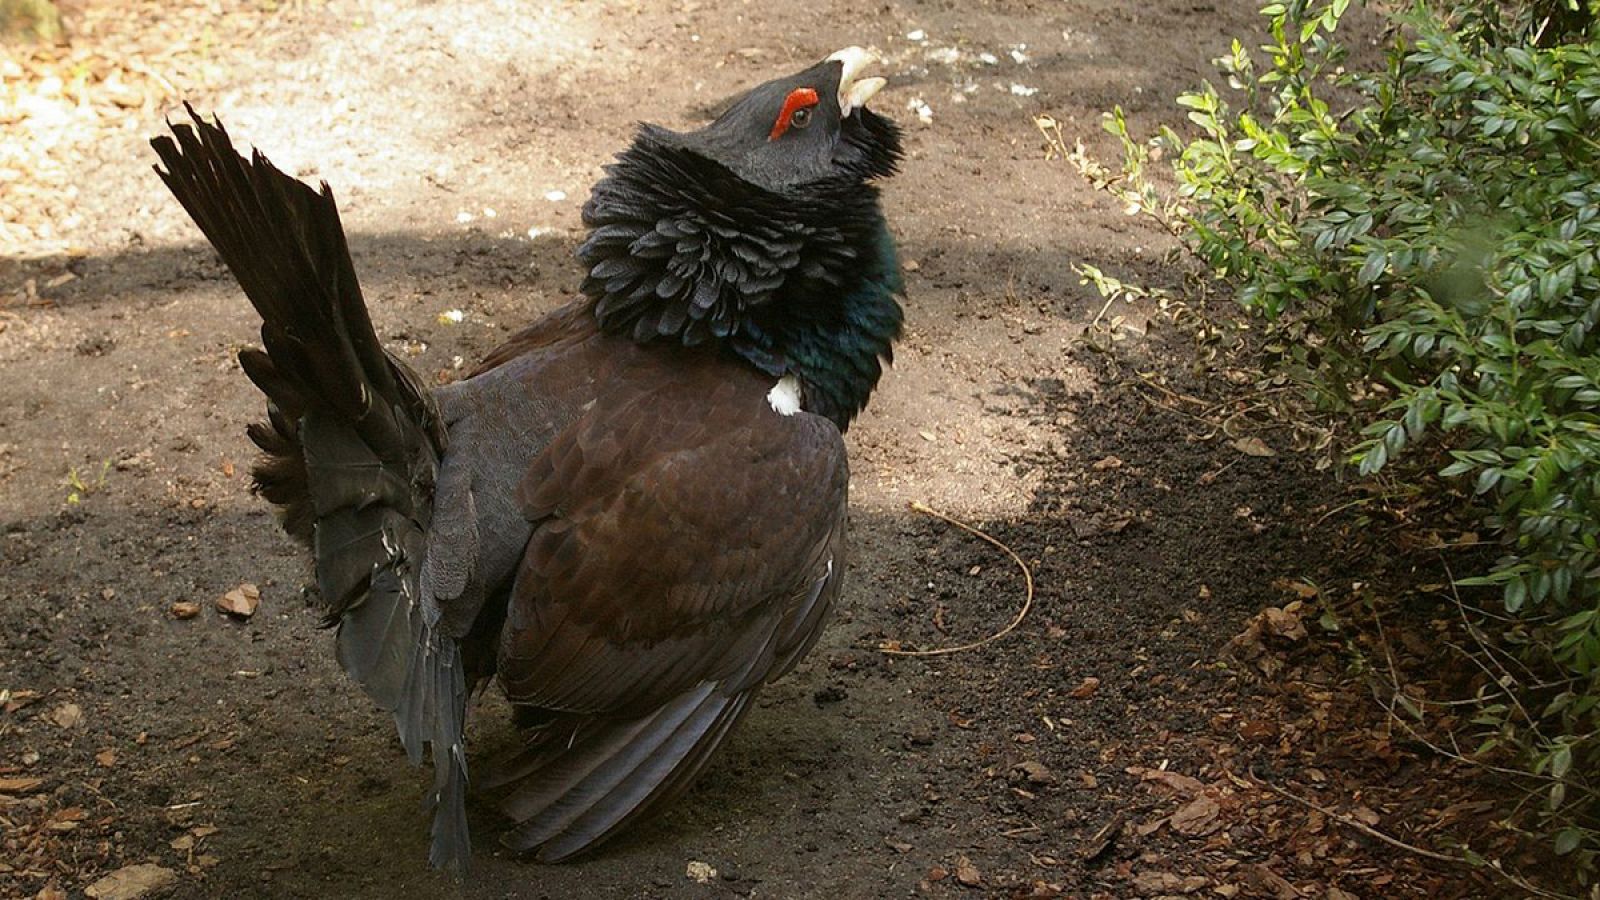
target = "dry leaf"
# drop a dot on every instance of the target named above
(1102, 840)
(132, 882)
(1253, 446)
(1301, 589)
(1176, 780)
(1284, 624)
(1035, 772)
(66, 819)
(699, 872)
(241, 601)
(1149, 828)
(1110, 462)
(1197, 818)
(12, 701)
(106, 758)
(967, 873)
(67, 715)
(1152, 884)
(50, 892)
(1270, 883)
(1086, 689)
(1258, 730)
(19, 785)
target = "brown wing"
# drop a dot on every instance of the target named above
(688, 543)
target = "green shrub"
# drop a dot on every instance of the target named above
(1428, 232)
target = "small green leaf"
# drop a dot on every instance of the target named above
(1561, 762)
(1373, 267)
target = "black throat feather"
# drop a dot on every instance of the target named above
(801, 281)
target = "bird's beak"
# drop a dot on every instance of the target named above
(855, 91)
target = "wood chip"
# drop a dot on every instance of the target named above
(1102, 840)
(132, 882)
(1270, 883)
(67, 715)
(1166, 884)
(1035, 772)
(1086, 689)
(967, 873)
(19, 785)
(1197, 818)
(241, 601)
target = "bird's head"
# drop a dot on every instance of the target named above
(761, 231)
(811, 129)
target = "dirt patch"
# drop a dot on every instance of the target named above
(1114, 745)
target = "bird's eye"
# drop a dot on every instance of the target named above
(796, 112)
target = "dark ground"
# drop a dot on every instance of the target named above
(1047, 763)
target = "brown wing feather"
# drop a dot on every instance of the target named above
(679, 530)
(688, 542)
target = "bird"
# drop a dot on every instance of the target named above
(631, 515)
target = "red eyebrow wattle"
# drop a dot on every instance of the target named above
(799, 98)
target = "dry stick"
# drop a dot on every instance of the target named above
(1394, 680)
(1461, 608)
(1101, 314)
(1336, 510)
(1174, 394)
(1022, 613)
(1359, 825)
(1369, 831)
(1456, 754)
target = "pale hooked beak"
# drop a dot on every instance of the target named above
(854, 91)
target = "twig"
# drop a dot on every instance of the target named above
(1492, 865)
(1359, 825)
(1172, 393)
(1027, 577)
(1338, 509)
(1455, 594)
(1457, 754)
(1102, 313)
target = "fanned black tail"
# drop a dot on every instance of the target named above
(352, 442)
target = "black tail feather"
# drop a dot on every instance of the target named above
(352, 441)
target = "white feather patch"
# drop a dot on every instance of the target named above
(785, 396)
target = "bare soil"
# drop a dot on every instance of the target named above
(1114, 745)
